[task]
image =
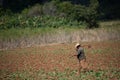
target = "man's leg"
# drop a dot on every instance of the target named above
(79, 67)
(84, 65)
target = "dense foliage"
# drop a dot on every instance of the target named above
(110, 9)
(52, 14)
(20, 21)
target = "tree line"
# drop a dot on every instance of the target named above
(87, 11)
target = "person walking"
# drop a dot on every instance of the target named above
(83, 65)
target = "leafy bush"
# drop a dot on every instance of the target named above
(87, 14)
(81, 13)
(65, 8)
(92, 14)
(19, 21)
(53, 14)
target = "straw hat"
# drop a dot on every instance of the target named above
(78, 44)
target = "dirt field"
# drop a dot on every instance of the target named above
(54, 62)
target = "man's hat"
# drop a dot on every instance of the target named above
(78, 44)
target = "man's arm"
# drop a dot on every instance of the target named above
(89, 46)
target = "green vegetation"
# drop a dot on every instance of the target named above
(20, 21)
(41, 20)
(56, 75)
(26, 29)
(16, 37)
(52, 14)
(56, 13)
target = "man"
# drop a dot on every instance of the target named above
(83, 66)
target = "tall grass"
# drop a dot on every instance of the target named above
(27, 37)
(14, 33)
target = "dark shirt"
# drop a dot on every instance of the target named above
(80, 53)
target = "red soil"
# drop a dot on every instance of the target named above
(58, 57)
